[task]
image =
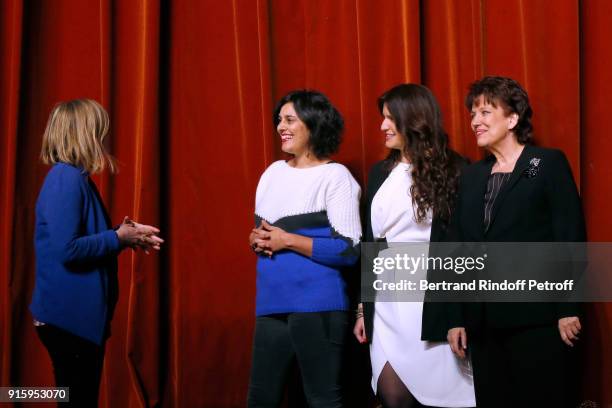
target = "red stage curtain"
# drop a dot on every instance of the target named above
(190, 86)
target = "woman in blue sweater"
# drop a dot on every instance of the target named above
(76, 249)
(308, 229)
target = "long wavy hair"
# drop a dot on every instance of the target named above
(435, 171)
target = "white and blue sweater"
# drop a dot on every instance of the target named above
(322, 203)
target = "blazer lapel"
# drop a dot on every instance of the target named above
(519, 169)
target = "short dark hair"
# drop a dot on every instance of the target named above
(322, 119)
(511, 96)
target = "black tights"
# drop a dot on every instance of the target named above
(392, 391)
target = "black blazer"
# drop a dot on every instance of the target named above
(540, 207)
(434, 315)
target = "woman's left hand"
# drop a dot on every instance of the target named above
(569, 328)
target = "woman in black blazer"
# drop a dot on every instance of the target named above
(521, 352)
(409, 198)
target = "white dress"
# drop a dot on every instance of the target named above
(430, 370)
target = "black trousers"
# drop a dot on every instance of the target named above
(316, 340)
(77, 364)
(525, 367)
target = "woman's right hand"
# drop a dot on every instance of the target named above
(255, 240)
(457, 339)
(135, 235)
(359, 329)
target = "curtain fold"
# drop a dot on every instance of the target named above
(11, 14)
(595, 148)
(453, 53)
(135, 105)
(190, 87)
(218, 144)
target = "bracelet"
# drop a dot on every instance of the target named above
(358, 313)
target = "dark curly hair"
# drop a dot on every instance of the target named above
(435, 167)
(511, 96)
(322, 119)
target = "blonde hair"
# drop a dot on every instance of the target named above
(75, 133)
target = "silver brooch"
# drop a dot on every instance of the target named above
(533, 168)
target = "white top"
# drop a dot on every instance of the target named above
(392, 213)
(430, 370)
(284, 190)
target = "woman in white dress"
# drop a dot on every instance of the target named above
(410, 197)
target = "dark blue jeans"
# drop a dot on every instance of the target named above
(316, 340)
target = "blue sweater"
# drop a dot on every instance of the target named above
(76, 256)
(291, 282)
(321, 203)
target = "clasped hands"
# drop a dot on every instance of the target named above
(138, 236)
(267, 239)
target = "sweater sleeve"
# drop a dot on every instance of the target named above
(61, 208)
(342, 206)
